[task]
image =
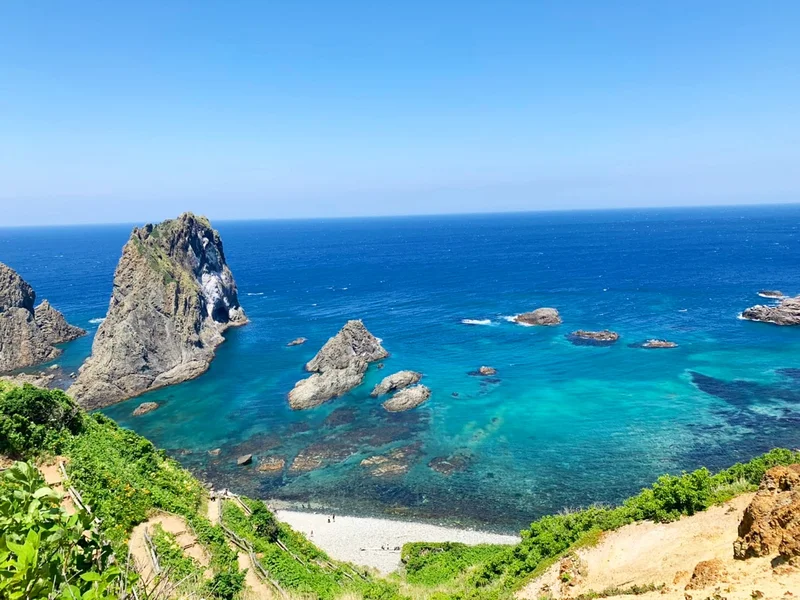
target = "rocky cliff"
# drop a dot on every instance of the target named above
(338, 367)
(28, 335)
(173, 296)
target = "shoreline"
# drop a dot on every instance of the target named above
(376, 542)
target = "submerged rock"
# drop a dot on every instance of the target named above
(271, 464)
(173, 297)
(144, 408)
(540, 316)
(297, 342)
(338, 367)
(772, 521)
(396, 462)
(787, 312)
(407, 398)
(396, 381)
(28, 335)
(582, 337)
(447, 465)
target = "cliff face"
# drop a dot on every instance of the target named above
(28, 334)
(173, 297)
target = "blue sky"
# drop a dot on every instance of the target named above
(135, 111)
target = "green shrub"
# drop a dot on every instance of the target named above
(171, 557)
(34, 421)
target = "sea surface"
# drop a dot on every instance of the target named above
(558, 426)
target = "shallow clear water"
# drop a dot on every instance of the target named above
(559, 425)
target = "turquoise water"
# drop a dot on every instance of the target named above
(558, 426)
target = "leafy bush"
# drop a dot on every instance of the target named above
(432, 563)
(45, 553)
(34, 421)
(171, 557)
(264, 523)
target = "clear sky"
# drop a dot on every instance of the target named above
(136, 111)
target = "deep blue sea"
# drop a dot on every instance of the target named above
(558, 426)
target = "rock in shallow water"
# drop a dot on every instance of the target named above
(173, 297)
(144, 408)
(655, 344)
(605, 337)
(787, 312)
(244, 460)
(297, 342)
(338, 367)
(396, 381)
(407, 398)
(540, 316)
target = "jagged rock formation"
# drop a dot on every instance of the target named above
(654, 344)
(593, 338)
(407, 398)
(787, 312)
(27, 335)
(338, 367)
(173, 297)
(540, 316)
(772, 521)
(396, 381)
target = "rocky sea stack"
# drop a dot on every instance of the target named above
(396, 381)
(786, 312)
(338, 367)
(28, 335)
(173, 297)
(540, 316)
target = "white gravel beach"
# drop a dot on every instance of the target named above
(376, 543)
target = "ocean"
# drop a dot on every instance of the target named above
(559, 425)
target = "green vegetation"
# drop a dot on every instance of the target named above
(44, 553)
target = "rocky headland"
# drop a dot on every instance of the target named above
(582, 337)
(172, 299)
(786, 312)
(407, 398)
(396, 381)
(540, 316)
(28, 335)
(338, 367)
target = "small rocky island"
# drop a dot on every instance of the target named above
(582, 337)
(540, 316)
(407, 398)
(396, 381)
(786, 312)
(338, 367)
(172, 299)
(28, 335)
(654, 344)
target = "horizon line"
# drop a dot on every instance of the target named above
(794, 203)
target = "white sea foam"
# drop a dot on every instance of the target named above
(683, 310)
(255, 293)
(513, 319)
(97, 320)
(476, 321)
(771, 297)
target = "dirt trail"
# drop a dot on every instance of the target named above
(178, 527)
(650, 553)
(257, 589)
(54, 479)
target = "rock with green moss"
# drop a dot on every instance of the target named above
(172, 299)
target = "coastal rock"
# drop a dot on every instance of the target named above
(396, 381)
(214, 452)
(654, 344)
(540, 316)
(144, 408)
(773, 294)
(593, 338)
(407, 398)
(396, 462)
(42, 379)
(27, 335)
(787, 312)
(245, 459)
(338, 367)
(772, 521)
(54, 325)
(483, 371)
(447, 465)
(706, 573)
(297, 342)
(271, 464)
(173, 297)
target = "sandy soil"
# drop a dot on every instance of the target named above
(53, 478)
(650, 553)
(376, 543)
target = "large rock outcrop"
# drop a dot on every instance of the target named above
(786, 312)
(338, 367)
(173, 297)
(396, 381)
(407, 398)
(772, 521)
(28, 335)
